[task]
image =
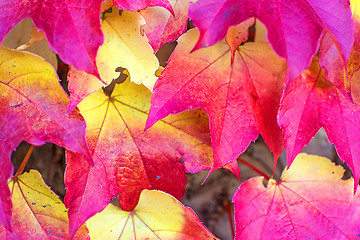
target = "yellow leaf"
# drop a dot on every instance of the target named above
(37, 211)
(355, 7)
(157, 216)
(125, 47)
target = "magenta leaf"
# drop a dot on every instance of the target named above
(294, 26)
(72, 27)
(136, 5)
(162, 27)
(310, 202)
(241, 99)
(311, 102)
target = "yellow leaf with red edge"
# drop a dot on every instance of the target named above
(124, 47)
(37, 212)
(157, 216)
(127, 48)
(127, 159)
(311, 201)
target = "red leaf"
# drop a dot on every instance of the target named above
(162, 27)
(127, 159)
(311, 102)
(310, 202)
(71, 27)
(294, 26)
(32, 109)
(336, 71)
(136, 5)
(241, 100)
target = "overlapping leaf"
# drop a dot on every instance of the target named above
(71, 27)
(136, 5)
(311, 102)
(127, 160)
(162, 27)
(125, 47)
(37, 211)
(338, 73)
(294, 27)
(241, 99)
(157, 216)
(32, 109)
(310, 202)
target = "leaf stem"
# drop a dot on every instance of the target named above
(24, 162)
(254, 168)
(228, 210)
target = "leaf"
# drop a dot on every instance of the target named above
(124, 47)
(311, 102)
(38, 211)
(32, 109)
(5, 234)
(162, 27)
(241, 100)
(355, 7)
(127, 159)
(81, 85)
(338, 73)
(157, 216)
(294, 27)
(301, 206)
(71, 27)
(237, 35)
(136, 5)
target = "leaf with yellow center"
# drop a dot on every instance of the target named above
(157, 216)
(124, 47)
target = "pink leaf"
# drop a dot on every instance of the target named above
(294, 26)
(162, 27)
(81, 85)
(241, 100)
(336, 71)
(136, 5)
(311, 102)
(71, 27)
(310, 202)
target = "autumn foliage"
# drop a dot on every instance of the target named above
(220, 90)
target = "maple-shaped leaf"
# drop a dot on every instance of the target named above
(37, 211)
(127, 159)
(294, 26)
(310, 202)
(32, 109)
(241, 99)
(157, 216)
(125, 47)
(136, 5)
(311, 102)
(336, 71)
(71, 27)
(161, 26)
